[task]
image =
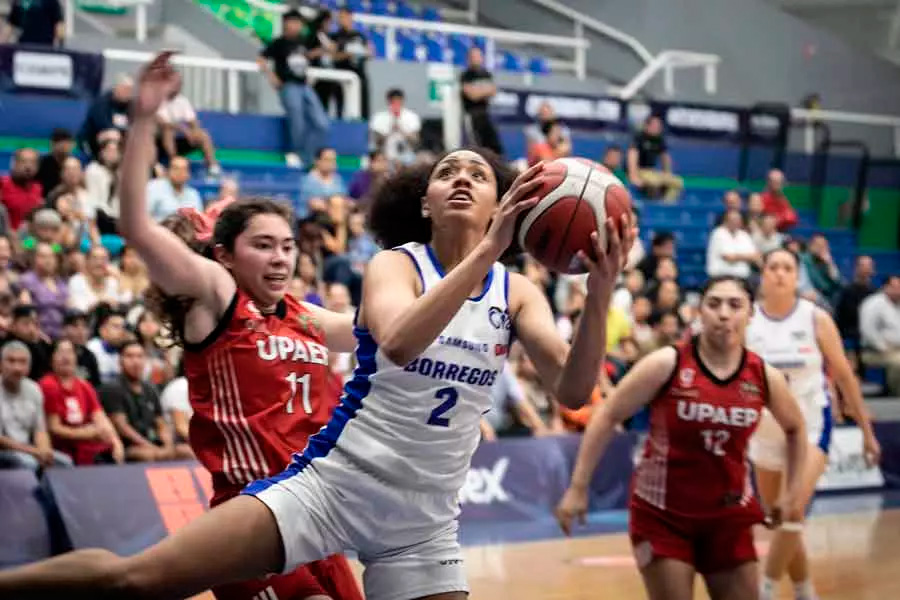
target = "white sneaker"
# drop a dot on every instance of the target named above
(291, 159)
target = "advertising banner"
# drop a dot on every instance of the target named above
(49, 71)
(24, 533)
(847, 467)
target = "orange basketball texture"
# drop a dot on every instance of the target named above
(575, 200)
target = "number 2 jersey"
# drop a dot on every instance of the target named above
(416, 426)
(259, 386)
(694, 462)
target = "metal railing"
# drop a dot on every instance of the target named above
(667, 61)
(215, 83)
(811, 117)
(140, 16)
(391, 25)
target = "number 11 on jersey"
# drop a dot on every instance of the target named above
(303, 384)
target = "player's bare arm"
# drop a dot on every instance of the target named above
(171, 264)
(787, 413)
(832, 348)
(637, 389)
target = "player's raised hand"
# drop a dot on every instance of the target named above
(572, 507)
(156, 83)
(521, 196)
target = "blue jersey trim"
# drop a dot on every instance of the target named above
(440, 269)
(415, 264)
(825, 439)
(320, 444)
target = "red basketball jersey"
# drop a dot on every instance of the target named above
(259, 386)
(695, 457)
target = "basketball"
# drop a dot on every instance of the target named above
(575, 200)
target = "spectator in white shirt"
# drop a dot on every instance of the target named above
(101, 179)
(98, 283)
(165, 195)
(731, 251)
(181, 133)
(176, 406)
(105, 347)
(767, 237)
(395, 131)
(879, 324)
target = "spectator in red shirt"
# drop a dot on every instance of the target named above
(776, 203)
(75, 419)
(20, 191)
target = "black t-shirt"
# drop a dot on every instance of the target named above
(141, 409)
(650, 148)
(846, 314)
(49, 173)
(36, 19)
(475, 75)
(289, 58)
(87, 367)
(354, 43)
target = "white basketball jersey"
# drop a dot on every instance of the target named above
(418, 425)
(790, 345)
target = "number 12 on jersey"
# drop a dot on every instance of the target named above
(303, 383)
(714, 439)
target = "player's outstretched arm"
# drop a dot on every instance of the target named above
(833, 350)
(637, 389)
(786, 412)
(177, 269)
(338, 328)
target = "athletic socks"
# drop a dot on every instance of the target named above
(767, 588)
(803, 590)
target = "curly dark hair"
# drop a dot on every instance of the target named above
(395, 214)
(172, 310)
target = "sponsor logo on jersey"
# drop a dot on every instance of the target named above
(464, 344)
(281, 347)
(686, 377)
(750, 389)
(309, 325)
(485, 485)
(499, 318)
(798, 335)
(703, 412)
(447, 371)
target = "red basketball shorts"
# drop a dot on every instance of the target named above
(330, 577)
(710, 545)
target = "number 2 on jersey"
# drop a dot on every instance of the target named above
(303, 384)
(714, 439)
(450, 396)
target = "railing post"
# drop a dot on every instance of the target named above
(710, 78)
(234, 92)
(141, 22)
(70, 18)
(391, 43)
(809, 137)
(473, 11)
(490, 49)
(580, 53)
(669, 79)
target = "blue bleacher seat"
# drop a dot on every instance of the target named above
(405, 11)
(434, 47)
(510, 61)
(538, 65)
(360, 6)
(431, 14)
(407, 43)
(331, 5)
(379, 7)
(379, 42)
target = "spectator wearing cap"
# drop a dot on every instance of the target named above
(181, 133)
(76, 330)
(49, 292)
(77, 423)
(395, 131)
(20, 191)
(165, 195)
(50, 168)
(37, 22)
(290, 56)
(111, 334)
(24, 328)
(24, 441)
(45, 227)
(134, 408)
(775, 202)
(108, 113)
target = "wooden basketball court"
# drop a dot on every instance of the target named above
(856, 556)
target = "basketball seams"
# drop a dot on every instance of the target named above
(568, 186)
(574, 215)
